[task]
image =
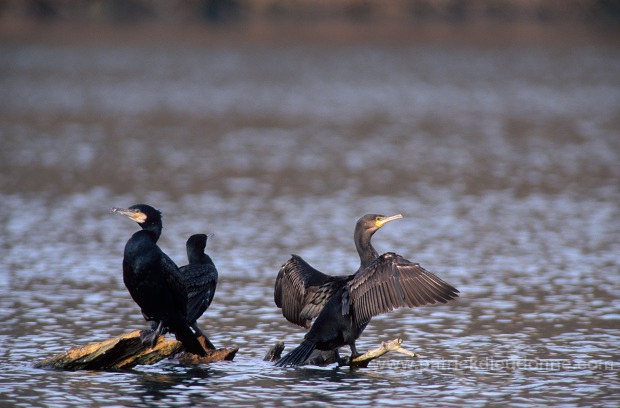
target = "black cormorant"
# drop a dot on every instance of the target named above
(200, 278)
(154, 280)
(344, 305)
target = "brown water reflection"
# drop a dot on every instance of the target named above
(504, 162)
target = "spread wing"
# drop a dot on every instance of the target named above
(318, 297)
(391, 282)
(296, 285)
(200, 282)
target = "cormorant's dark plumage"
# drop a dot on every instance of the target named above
(200, 278)
(154, 280)
(344, 305)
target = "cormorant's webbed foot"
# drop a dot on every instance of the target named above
(149, 337)
(346, 360)
(354, 352)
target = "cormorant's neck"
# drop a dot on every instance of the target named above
(195, 257)
(207, 260)
(154, 230)
(364, 248)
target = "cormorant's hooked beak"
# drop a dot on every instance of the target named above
(382, 221)
(136, 215)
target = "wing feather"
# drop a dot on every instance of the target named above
(295, 288)
(175, 281)
(414, 297)
(436, 287)
(391, 282)
(316, 298)
(200, 282)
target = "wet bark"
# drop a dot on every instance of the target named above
(127, 351)
(394, 345)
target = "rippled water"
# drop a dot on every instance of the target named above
(504, 162)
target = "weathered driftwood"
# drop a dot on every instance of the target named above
(275, 352)
(394, 345)
(329, 357)
(127, 351)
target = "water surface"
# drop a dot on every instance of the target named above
(503, 161)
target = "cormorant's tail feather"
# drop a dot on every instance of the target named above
(200, 333)
(298, 355)
(190, 342)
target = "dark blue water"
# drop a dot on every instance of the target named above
(503, 161)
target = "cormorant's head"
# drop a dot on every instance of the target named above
(143, 214)
(197, 242)
(195, 247)
(370, 223)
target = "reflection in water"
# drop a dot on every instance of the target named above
(503, 162)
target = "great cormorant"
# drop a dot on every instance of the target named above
(200, 278)
(344, 305)
(154, 280)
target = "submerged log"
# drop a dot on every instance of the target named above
(329, 357)
(127, 351)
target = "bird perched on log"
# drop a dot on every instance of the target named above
(154, 280)
(342, 306)
(200, 279)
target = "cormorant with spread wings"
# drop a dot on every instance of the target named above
(344, 305)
